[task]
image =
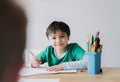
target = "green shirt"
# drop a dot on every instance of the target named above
(74, 52)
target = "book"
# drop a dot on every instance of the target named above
(35, 71)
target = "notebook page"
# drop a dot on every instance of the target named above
(34, 71)
(38, 80)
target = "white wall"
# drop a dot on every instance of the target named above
(83, 17)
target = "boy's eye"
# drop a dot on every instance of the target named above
(53, 38)
(62, 36)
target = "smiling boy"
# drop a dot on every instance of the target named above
(60, 50)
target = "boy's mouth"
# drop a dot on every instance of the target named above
(59, 44)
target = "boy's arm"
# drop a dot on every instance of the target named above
(55, 68)
(81, 64)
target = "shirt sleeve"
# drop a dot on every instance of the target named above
(42, 56)
(81, 64)
(77, 51)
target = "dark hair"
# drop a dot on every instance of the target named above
(13, 24)
(57, 25)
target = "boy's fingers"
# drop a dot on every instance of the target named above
(36, 59)
(53, 68)
(34, 64)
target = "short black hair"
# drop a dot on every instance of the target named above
(57, 25)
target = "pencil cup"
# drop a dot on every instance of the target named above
(94, 62)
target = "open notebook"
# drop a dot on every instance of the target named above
(34, 71)
(38, 80)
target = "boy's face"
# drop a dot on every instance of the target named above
(59, 40)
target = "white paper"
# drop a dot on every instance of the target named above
(34, 71)
(38, 80)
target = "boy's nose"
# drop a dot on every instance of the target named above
(58, 40)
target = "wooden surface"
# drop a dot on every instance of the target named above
(108, 75)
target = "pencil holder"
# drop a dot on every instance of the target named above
(94, 62)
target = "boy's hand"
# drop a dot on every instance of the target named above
(36, 63)
(55, 68)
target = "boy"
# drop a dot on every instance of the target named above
(58, 34)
